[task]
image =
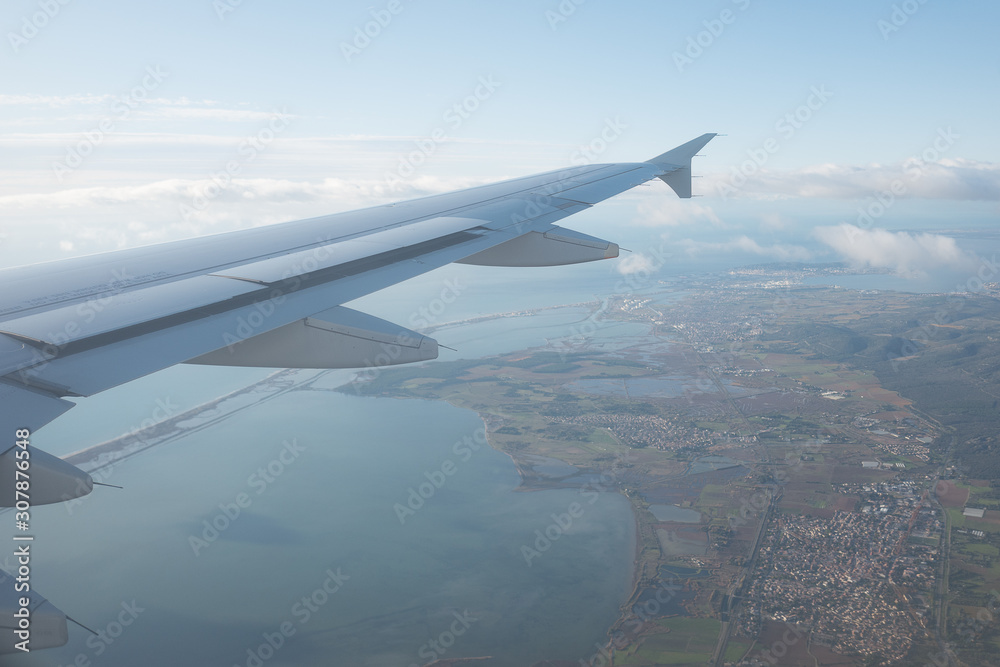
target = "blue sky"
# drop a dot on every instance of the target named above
(834, 100)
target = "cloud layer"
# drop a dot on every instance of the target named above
(744, 244)
(954, 179)
(909, 255)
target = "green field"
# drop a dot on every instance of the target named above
(685, 641)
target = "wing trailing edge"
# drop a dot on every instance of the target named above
(46, 625)
(555, 247)
(336, 338)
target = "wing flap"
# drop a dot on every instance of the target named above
(60, 326)
(96, 364)
(47, 626)
(342, 253)
(52, 479)
(336, 338)
(554, 247)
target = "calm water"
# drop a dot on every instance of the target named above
(332, 508)
(675, 513)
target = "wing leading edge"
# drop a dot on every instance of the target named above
(271, 296)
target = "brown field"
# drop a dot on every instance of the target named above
(815, 474)
(881, 395)
(887, 416)
(828, 658)
(846, 385)
(990, 521)
(774, 360)
(796, 654)
(843, 503)
(858, 475)
(951, 495)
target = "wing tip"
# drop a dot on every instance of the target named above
(681, 155)
(677, 164)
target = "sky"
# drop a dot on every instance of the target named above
(859, 130)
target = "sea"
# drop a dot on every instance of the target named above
(324, 528)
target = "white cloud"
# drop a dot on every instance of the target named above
(94, 219)
(40, 110)
(165, 110)
(636, 263)
(670, 211)
(745, 244)
(950, 178)
(54, 101)
(774, 221)
(909, 255)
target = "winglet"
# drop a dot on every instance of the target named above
(678, 162)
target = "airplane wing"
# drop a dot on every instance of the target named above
(268, 296)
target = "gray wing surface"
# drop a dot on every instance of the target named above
(269, 296)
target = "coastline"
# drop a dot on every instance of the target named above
(102, 455)
(533, 484)
(100, 459)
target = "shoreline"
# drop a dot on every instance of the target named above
(635, 588)
(102, 457)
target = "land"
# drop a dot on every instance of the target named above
(837, 450)
(824, 439)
